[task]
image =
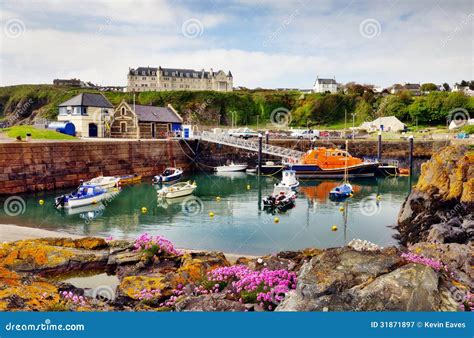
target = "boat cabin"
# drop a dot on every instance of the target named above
(89, 190)
(328, 158)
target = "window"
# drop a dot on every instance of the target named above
(122, 112)
(143, 72)
(123, 127)
(63, 111)
(144, 78)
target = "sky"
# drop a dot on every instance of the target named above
(266, 44)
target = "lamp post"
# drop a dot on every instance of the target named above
(260, 137)
(353, 125)
(379, 146)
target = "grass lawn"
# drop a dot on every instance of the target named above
(36, 134)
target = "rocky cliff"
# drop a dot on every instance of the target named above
(440, 207)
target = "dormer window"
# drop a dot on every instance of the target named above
(122, 112)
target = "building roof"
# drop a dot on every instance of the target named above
(325, 81)
(386, 121)
(174, 72)
(156, 114)
(413, 86)
(88, 100)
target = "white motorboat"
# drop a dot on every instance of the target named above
(288, 180)
(177, 190)
(86, 194)
(231, 167)
(105, 182)
(169, 175)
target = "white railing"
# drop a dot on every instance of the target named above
(225, 139)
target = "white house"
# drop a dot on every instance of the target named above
(88, 112)
(388, 123)
(325, 85)
(465, 89)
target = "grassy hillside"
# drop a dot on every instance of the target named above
(37, 134)
(24, 102)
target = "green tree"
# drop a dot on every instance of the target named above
(428, 87)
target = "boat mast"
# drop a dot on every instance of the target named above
(346, 173)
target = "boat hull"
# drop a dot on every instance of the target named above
(231, 168)
(179, 193)
(80, 202)
(314, 171)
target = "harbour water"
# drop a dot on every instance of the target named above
(238, 224)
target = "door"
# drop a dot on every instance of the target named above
(92, 130)
(153, 130)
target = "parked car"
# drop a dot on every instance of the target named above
(243, 133)
(305, 134)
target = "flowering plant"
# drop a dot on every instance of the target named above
(467, 303)
(268, 287)
(154, 246)
(419, 259)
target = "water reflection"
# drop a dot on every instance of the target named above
(238, 225)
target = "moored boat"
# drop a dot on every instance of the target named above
(281, 199)
(341, 192)
(231, 167)
(86, 194)
(177, 190)
(129, 179)
(288, 180)
(105, 182)
(169, 175)
(324, 162)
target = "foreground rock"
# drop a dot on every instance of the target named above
(354, 278)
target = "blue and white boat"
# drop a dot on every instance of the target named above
(168, 175)
(341, 192)
(288, 180)
(86, 194)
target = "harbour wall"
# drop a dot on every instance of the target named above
(214, 154)
(38, 166)
(35, 166)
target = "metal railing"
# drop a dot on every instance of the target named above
(225, 139)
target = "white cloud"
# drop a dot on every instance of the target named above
(275, 44)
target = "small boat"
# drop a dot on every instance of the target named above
(404, 172)
(86, 194)
(105, 182)
(231, 167)
(129, 179)
(288, 180)
(269, 168)
(344, 190)
(177, 190)
(341, 192)
(168, 175)
(282, 199)
(251, 170)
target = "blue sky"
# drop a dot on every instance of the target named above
(264, 43)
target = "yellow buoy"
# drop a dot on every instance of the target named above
(341, 209)
(351, 194)
(334, 228)
(276, 220)
(41, 202)
(94, 202)
(218, 198)
(211, 214)
(379, 197)
(144, 210)
(248, 186)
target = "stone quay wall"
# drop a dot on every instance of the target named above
(37, 166)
